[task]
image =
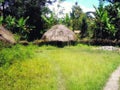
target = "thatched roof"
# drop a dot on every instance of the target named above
(59, 33)
(6, 36)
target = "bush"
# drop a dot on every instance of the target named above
(15, 53)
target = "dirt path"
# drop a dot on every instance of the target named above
(113, 82)
(60, 79)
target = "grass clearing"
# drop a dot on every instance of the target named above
(70, 68)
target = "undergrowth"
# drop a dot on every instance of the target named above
(11, 54)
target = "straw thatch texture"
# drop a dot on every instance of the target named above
(59, 33)
(6, 36)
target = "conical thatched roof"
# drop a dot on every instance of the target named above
(6, 36)
(59, 33)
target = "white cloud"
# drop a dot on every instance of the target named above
(67, 7)
(86, 9)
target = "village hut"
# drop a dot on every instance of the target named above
(6, 36)
(59, 34)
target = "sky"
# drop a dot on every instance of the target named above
(86, 5)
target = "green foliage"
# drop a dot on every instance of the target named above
(67, 20)
(50, 21)
(114, 14)
(15, 53)
(17, 37)
(22, 22)
(10, 22)
(17, 26)
(104, 27)
(107, 24)
(105, 19)
(23, 8)
(1, 20)
(84, 27)
(4, 45)
(76, 16)
(76, 11)
(23, 30)
(1, 1)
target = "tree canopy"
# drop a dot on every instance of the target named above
(31, 18)
(28, 8)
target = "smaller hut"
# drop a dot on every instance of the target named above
(6, 36)
(60, 35)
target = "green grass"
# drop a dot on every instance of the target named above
(15, 53)
(70, 68)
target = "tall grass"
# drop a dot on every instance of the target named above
(70, 68)
(18, 52)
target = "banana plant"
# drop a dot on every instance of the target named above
(51, 20)
(10, 22)
(103, 22)
(22, 28)
(21, 23)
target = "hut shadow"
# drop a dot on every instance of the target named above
(60, 44)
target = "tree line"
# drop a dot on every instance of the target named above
(29, 19)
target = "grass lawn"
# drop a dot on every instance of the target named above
(70, 68)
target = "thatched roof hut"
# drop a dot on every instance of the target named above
(59, 33)
(6, 36)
